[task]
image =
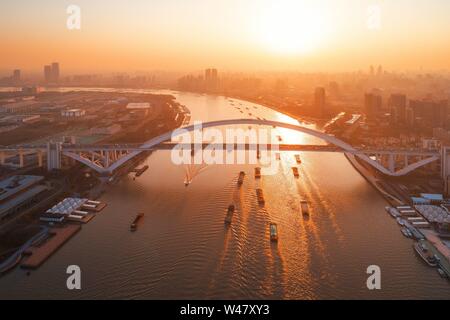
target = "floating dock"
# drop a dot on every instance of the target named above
(38, 255)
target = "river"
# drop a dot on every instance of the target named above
(182, 249)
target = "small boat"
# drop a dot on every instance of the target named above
(305, 207)
(258, 173)
(393, 212)
(298, 159)
(273, 232)
(442, 273)
(260, 196)
(135, 222)
(230, 212)
(400, 221)
(406, 232)
(295, 171)
(241, 178)
(422, 250)
(140, 171)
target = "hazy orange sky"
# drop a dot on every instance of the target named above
(144, 35)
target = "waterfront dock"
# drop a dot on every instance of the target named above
(38, 255)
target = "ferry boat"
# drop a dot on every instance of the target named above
(230, 212)
(295, 171)
(241, 178)
(297, 158)
(425, 254)
(273, 232)
(258, 173)
(135, 222)
(260, 195)
(305, 208)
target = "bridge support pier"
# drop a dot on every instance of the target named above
(21, 159)
(53, 156)
(40, 157)
(391, 163)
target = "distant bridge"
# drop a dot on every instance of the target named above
(107, 158)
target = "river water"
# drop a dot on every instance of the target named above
(182, 250)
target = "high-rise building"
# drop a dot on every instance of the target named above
(372, 105)
(51, 73)
(55, 71)
(410, 117)
(16, 75)
(48, 73)
(433, 113)
(319, 101)
(397, 105)
(211, 79)
(379, 70)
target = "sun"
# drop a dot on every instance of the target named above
(290, 27)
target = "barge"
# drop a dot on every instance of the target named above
(295, 171)
(260, 196)
(273, 232)
(230, 213)
(134, 224)
(241, 178)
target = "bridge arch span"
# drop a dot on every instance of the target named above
(315, 133)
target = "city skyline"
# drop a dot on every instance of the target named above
(231, 35)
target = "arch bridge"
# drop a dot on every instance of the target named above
(106, 158)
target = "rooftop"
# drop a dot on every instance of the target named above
(12, 185)
(138, 105)
(67, 206)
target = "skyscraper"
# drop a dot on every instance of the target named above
(372, 105)
(55, 72)
(51, 72)
(211, 79)
(48, 73)
(397, 105)
(319, 101)
(16, 75)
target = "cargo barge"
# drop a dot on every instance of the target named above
(305, 207)
(241, 178)
(260, 196)
(295, 171)
(230, 213)
(273, 228)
